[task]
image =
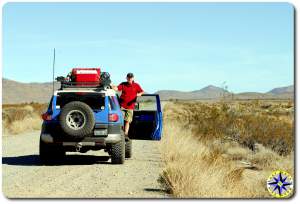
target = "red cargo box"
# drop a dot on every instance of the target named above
(86, 74)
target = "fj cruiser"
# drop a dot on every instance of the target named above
(84, 114)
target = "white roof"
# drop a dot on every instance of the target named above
(107, 92)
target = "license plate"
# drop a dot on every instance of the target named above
(100, 132)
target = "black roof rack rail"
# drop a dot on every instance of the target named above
(83, 85)
(66, 84)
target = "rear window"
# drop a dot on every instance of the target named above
(113, 103)
(94, 100)
(146, 103)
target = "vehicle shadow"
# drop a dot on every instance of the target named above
(34, 160)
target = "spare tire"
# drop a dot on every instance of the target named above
(77, 119)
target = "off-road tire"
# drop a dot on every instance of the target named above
(88, 126)
(128, 149)
(118, 152)
(50, 153)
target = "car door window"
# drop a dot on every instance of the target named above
(146, 103)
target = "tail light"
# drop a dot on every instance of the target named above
(113, 117)
(46, 116)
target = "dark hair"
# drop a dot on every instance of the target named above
(130, 75)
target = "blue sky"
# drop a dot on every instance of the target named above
(178, 46)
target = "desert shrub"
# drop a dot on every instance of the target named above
(223, 150)
(18, 118)
(236, 122)
(194, 169)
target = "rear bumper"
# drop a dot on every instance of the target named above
(88, 141)
(107, 134)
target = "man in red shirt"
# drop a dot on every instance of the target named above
(130, 91)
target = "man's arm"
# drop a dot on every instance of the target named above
(114, 87)
(140, 93)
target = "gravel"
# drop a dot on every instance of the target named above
(89, 175)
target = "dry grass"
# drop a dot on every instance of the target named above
(19, 118)
(246, 123)
(224, 150)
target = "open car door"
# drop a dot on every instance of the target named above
(147, 118)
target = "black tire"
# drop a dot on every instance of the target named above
(85, 118)
(50, 153)
(128, 149)
(118, 152)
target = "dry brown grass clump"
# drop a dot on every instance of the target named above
(203, 160)
(246, 123)
(19, 118)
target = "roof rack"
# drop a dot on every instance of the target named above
(102, 84)
(82, 85)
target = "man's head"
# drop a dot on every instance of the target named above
(130, 77)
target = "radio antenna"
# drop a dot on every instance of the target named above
(53, 69)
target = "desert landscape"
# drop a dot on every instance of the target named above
(226, 149)
(217, 148)
(214, 117)
(15, 92)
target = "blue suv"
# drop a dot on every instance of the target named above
(80, 119)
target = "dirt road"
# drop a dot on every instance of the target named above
(87, 175)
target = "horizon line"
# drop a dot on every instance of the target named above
(172, 89)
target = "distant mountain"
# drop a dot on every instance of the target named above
(253, 95)
(209, 92)
(282, 90)
(172, 94)
(214, 92)
(16, 92)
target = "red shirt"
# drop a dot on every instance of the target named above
(128, 96)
